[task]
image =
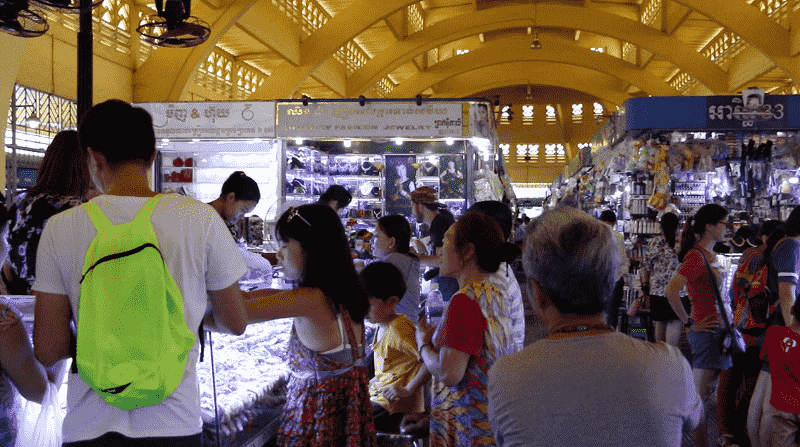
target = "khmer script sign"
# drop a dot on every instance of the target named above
(372, 120)
(212, 120)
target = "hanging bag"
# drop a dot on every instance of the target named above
(731, 340)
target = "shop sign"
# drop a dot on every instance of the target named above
(372, 120)
(212, 120)
(749, 111)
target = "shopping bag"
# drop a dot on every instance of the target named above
(40, 425)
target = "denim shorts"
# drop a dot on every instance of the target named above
(706, 353)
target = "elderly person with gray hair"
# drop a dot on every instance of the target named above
(585, 384)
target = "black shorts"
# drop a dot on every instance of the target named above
(114, 439)
(661, 310)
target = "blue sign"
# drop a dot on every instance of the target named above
(713, 113)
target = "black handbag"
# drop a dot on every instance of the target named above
(731, 340)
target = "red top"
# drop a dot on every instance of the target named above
(701, 292)
(463, 326)
(782, 351)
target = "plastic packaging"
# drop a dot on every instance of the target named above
(434, 305)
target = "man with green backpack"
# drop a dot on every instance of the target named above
(132, 270)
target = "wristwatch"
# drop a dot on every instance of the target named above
(688, 323)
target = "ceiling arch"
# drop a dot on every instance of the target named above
(543, 73)
(548, 15)
(324, 43)
(362, 13)
(517, 48)
(754, 26)
(166, 73)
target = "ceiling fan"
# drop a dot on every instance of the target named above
(174, 26)
(18, 20)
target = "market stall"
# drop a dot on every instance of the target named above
(382, 150)
(378, 150)
(675, 154)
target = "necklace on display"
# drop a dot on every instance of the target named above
(582, 328)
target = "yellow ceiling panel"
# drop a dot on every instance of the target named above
(237, 42)
(376, 39)
(697, 30)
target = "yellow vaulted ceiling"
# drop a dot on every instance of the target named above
(400, 48)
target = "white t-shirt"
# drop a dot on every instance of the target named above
(200, 255)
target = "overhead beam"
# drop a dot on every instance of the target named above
(540, 73)
(166, 74)
(746, 66)
(517, 48)
(672, 16)
(551, 15)
(270, 26)
(324, 43)
(755, 27)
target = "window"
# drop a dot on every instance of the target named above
(550, 114)
(506, 148)
(584, 145)
(577, 113)
(459, 52)
(527, 153)
(527, 115)
(505, 115)
(555, 153)
(598, 49)
(598, 109)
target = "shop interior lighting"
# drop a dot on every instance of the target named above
(449, 141)
(716, 180)
(398, 141)
(794, 180)
(298, 141)
(628, 188)
(347, 142)
(165, 140)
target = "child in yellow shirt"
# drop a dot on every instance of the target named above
(397, 387)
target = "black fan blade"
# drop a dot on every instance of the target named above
(160, 7)
(187, 8)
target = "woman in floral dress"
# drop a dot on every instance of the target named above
(475, 331)
(328, 393)
(63, 182)
(661, 262)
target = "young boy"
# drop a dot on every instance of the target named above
(396, 388)
(782, 351)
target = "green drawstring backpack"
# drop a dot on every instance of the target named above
(132, 339)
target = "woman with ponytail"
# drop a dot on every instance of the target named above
(704, 327)
(474, 332)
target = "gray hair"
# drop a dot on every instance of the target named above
(572, 257)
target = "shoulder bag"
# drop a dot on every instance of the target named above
(731, 340)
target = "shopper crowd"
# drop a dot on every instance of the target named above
(468, 380)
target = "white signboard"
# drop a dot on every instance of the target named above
(372, 120)
(212, 120)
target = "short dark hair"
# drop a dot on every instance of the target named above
(64, 170)
(383, 280)
(608, 216)
(242, 186)
(397, 226)
(119, 131)
(337, 193)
